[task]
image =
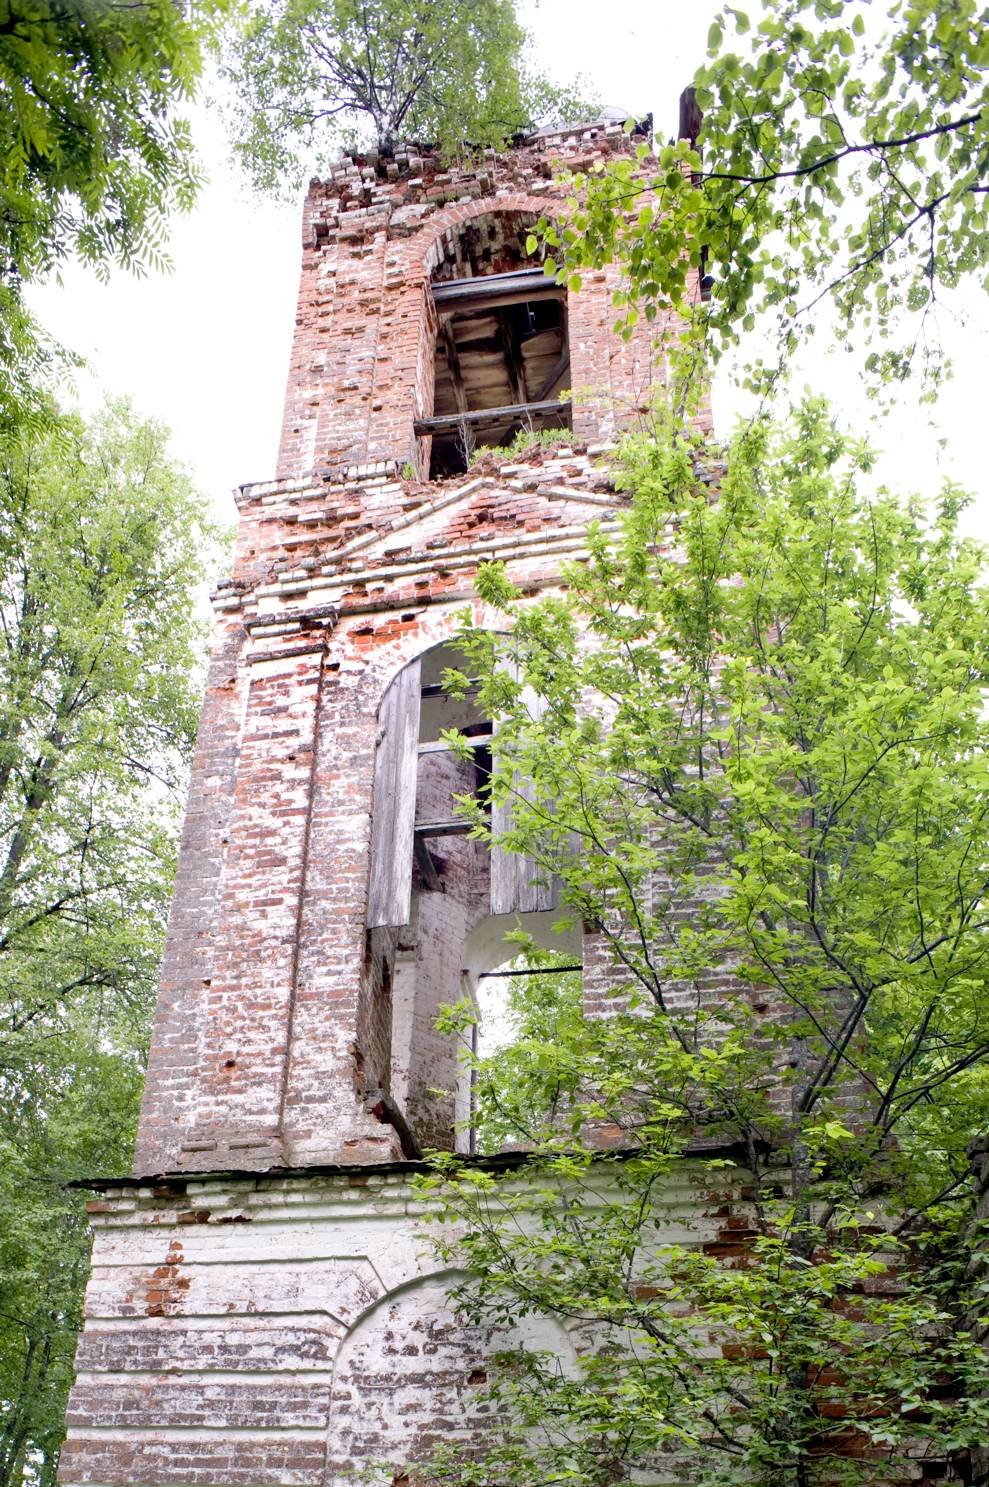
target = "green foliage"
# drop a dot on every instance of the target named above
(524, 440)
(308, 73)
(63, 1115)
(31, 364)
(692, 1366)
(842, 156)
(760, 774)
(102, 544)
(547, 1039)
(93, 158)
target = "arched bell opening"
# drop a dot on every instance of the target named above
(502, 354)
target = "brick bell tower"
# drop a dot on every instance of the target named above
(262, 1308)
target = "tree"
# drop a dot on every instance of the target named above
(93, 155)
(308, 72)
(841, 156)
(759, 772)
(64, 1114)
(102, 545)
(544, 1012)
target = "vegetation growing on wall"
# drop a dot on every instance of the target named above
(309, 74)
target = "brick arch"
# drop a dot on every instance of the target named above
(444, 634)
(613, 378)
(390, 357)
(437, 228)
(417, 252)
(421, 256)
(414, 1336)
(396, 1285)
(432, 628)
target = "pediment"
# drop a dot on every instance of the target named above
(488, 510)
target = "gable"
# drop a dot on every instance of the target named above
(514, 508)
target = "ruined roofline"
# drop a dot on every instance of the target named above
(507, 1161)
(410, 158)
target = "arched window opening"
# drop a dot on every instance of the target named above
(502, 348)
(440, 902)
(418, 776)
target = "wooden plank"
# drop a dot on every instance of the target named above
(426, 865)
(513, 357)
(453, 365)
(530, 971)
(450, 422)
(476, 741)
(442, 828)
(561, 368)
(545, 343)
(504, 865)
(438, 689)
(513, 886)
(393, 820)
(512, 278)
(492, 290)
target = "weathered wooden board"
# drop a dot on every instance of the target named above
(513, 886)
(390, 896)
(451, 422)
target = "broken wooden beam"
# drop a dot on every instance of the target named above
(492, 290)
(426, 865)
(451, 422)
(443, 828)
(453, 365)
(513, 357)
(552, 381)
(479, 741)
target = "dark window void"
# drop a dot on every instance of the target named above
(502, 363)
(417, 821)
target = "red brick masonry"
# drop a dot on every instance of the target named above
(287, 1329)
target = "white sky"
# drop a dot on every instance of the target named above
(205, 348)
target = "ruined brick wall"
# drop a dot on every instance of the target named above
(275, 1027)
(288, 1331)
(290, 1327)
(283, 1328)
(256, 1059)
(373, 235)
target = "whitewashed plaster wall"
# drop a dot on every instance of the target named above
(287, 1330)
